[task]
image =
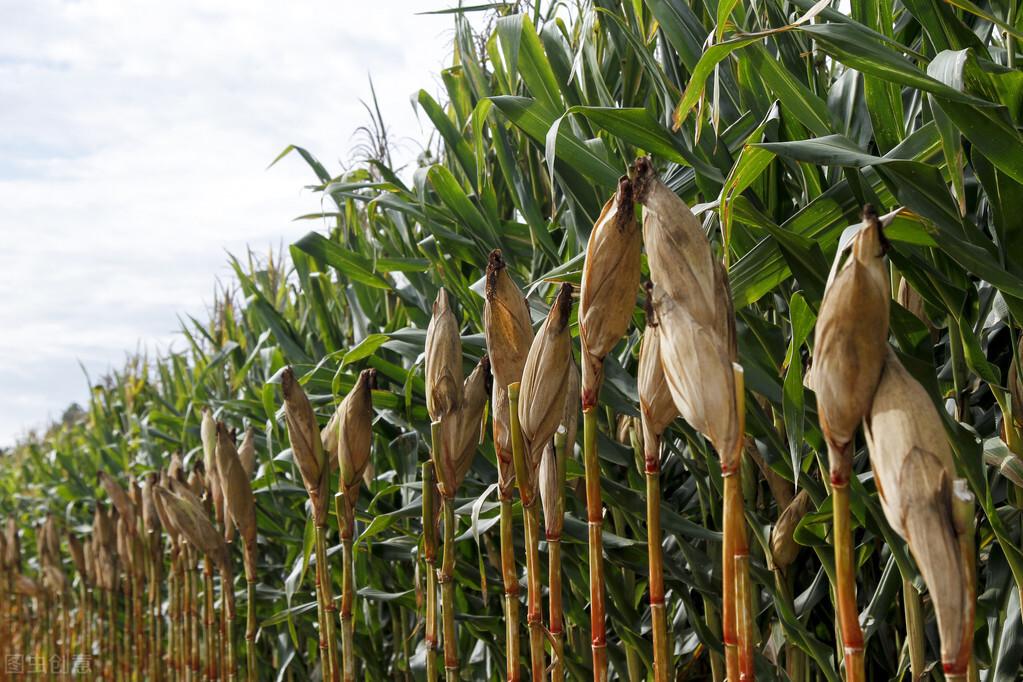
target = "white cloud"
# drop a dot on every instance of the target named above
(134, 140)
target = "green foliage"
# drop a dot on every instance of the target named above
(780, 130)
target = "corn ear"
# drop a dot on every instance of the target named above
(914, 469)
(354, 425)
(306, 445)
(698, 371)
(443, 360)
(506, 323)
(610, 279)
(851, 341)
(544, 378)
(784, 548)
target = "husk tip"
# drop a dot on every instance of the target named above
(641, 173)
(441, 304)
(563, 303)
(288, 381)
(495, 263)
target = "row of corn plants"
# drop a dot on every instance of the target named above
(766, 254)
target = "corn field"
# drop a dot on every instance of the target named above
(688, 351)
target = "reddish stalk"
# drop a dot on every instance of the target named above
(737, 626)
(250, 631)
(128, 659)
(347, 601)
(964, 667)
(196, 620)
(557, 618)
(326, 590)
(531, 518)
(229, 665)
(211, 639)
(446, 578)
(845, 581)
(595, 522)
(510, 576)
(430, 557)
(744, 597)
(729, 634)
(658, 615)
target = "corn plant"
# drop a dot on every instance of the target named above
(821, 196)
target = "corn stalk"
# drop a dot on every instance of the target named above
(531, 521)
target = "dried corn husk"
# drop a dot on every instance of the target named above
(89, 551)
(306, 445)
(103, 528)
(120, 499)
(214, 487)
(355, 431)
(502, 441)
(902, 417)
(104, 545)
(851, 342)
(328, 440)
(187, 514)
(551, 486)
(466, 427)
(176, 469)
(553, 463)
(150, 517)
(914, 470)
(443, 361)
(784, 548)
(134, 491)
(197, 483)
(54, 579)
(124, 549)
(47, 542)
(26, 587)
(509, 333)
(237, 490)
(48, 552)
(698, 371)
(77, 551)
(241, 503)
(354, 419)
(208, 434)
(544, 379)
(657, 408)
(217, 487)
(725, 311)
(682, 265)
(208, 437)
(610, 279)
(247, 452)
(165, 520)
(506, 323)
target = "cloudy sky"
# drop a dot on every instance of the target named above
(134, 144)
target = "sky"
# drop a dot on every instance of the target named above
(134, 144)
